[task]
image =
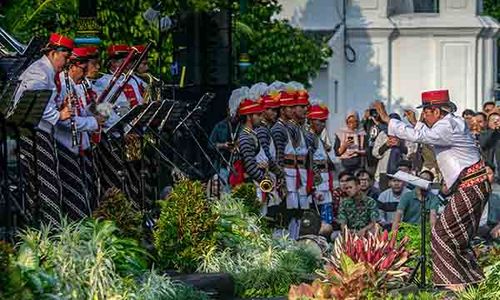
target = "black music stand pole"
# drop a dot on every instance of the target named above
(422, 259)
(138, 125)
(119, 127)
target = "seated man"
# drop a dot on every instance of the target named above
(337, 195)
(489, 226)
(388, 202)
(366, 184)
(357, 212)
(409, 206)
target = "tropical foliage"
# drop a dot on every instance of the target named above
(86, 260)
(116, 207)
(261, 265)
(276, 49)
(360, 266)
(412, 232)
(185, 228)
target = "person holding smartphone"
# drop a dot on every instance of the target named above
(350, 144)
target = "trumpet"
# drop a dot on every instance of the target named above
(266, 185)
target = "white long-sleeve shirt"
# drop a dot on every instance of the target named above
(450, 140)
(40, 75)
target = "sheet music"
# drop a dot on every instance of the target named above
(412, 179)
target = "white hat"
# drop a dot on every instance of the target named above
(237, 96)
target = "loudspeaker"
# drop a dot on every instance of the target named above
(202, 44)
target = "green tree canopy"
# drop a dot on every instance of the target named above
(277, 50)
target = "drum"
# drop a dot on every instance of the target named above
(316, 243)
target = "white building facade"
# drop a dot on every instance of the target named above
(392, 50)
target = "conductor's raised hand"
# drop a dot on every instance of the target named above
(379, 106)
(411, 117)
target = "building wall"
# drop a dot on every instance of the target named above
(400, 53)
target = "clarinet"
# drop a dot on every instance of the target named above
(72, 107)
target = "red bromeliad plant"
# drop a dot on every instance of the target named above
(359, 265)
(384, 254)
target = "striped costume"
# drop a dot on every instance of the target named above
(279, 133)
(75, 162)
(112, 166)
(39, 167)
(248, 145)
(267, 142)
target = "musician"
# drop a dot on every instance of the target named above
(44, 191)
(271, 105)
(73, 140)
(320, 180)
(142, 79)
(93, 70)
(254, 160)
(114, 170)
(296, 127)
(286, 154)
(130, 96)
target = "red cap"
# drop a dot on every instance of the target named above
(269, 101)
(118, 51)
(248, 107)
(92, 51)
(318, 112)
(435, 98)
(139, 48)
(57, 40)
(302, 98)
(287, 99)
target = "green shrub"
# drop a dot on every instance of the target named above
(261, 266)
(247, 194)
(116, 207)
(413, 232)
(85, 260)
(185, 228)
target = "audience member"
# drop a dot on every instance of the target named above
(357, 212)
(337, 195)
(350, 144)
(409, 208)
(468, 116)
(373, 126)
(494, 129)
(489, 226)
(482, 120)
(489, 107)
(489, 137)
(389, 150)
(366, 184)
(388, 202)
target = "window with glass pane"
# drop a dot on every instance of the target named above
(426, 6)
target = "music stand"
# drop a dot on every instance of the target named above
(24, 117)
(119, 127)
(144, 117)
(126, 119)
(138, 125)
(422, 259)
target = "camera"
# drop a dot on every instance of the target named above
(373, 113)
